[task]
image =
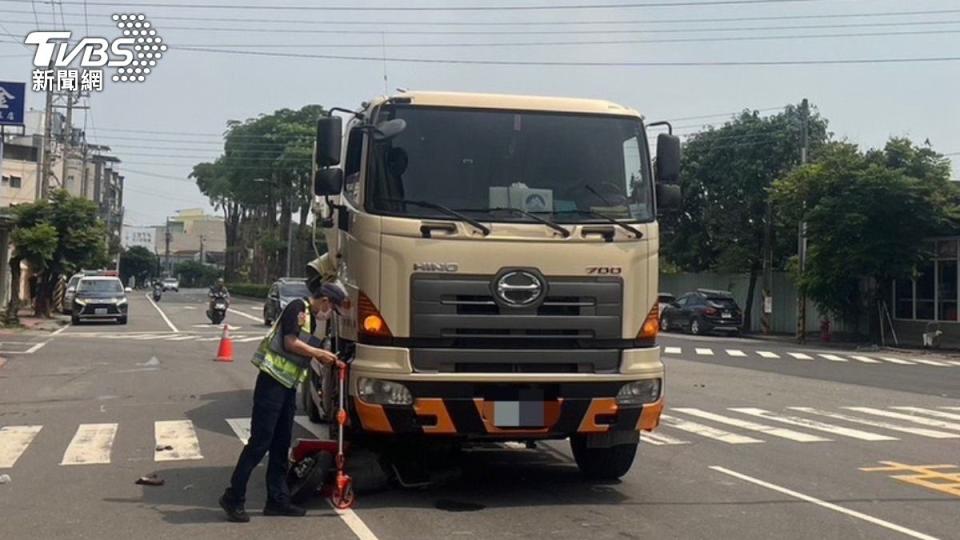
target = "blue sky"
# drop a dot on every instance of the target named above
(193, 94)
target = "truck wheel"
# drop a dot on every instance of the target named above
(695, 327)
(306, 476)
(602, 463)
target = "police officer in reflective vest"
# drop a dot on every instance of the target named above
(283, 359)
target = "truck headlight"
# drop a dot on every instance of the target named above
(639, 392)
(379, 392)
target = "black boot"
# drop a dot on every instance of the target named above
(283, 509)
(234, 509)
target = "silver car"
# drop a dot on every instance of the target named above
(70, 293)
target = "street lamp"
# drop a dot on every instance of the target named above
(289, 224)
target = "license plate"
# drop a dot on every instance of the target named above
(100, 311)
(221, 306)
(513, 414)
(726, 315)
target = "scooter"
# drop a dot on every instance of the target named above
(313, 460)
(218, 308)
(157, 290)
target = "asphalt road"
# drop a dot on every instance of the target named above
(752, 446)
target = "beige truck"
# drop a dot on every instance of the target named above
(501, 257)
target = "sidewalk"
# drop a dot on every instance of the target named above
(30, 325)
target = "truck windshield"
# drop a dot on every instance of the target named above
(565, 167)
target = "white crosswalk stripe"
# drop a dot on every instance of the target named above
(928, 412)
(91, 445)
(768, 354)
(672, 350)
(907, 417)
(812, 424)
(923, 432)
(953, 362)
(176, 440)
(931, 362)
(707, 431)
(800, 356)
(897, 361)
(248, 339)
(659, 439)
(864, 359)
(736, 352)
(704, 352)
(240, 426)
(753, 426)
(832, 357)
(14, 440)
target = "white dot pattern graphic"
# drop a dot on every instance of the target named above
(148, 46)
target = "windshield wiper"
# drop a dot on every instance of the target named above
(452, 213)
(637, 233)
(538, 219)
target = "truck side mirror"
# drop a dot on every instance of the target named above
(667, 168)
(326, 152)
(668, 197)
(327, 182)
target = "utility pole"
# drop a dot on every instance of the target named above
(44, 180)
(201, 249)
(802, 231)
(766, 310)
(290, 233)
(166, 256)
(67, 140)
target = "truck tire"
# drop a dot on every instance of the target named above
(602, 463)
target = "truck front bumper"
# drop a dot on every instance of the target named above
(503, 405)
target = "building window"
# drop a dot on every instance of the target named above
(934, 292)
(15, 181)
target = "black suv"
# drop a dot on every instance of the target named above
(281, 293)
(703, 311)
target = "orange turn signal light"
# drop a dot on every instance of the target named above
(651, 325)
(371, 321)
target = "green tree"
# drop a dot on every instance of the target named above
(263, 174)
(726, 177)
(867, 216)
(139, 263)
(57, 237)
(194, 274)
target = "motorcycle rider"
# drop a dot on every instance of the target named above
(217, 289)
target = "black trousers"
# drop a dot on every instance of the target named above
(271, 428)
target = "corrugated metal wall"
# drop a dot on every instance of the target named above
(784, 297)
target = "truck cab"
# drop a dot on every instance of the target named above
(501, 257)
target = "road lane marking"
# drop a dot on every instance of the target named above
(242, 314)
(181, 338)
(824, 504)
(91, 444)
(753, 426)
(768, 354)
(14, 440)
(865, 359)
(953, 362)
(354, 522)
(60, 330)
(813, 424)
(832, 357)
(800, 356)
(926, 476)
(898, 360)
(707, 431)
(320, 431)
(672, 350)
(704, 352)
(240, 426)
(35, 348)
(248, 339)
(928, 412)
(178, 434)
(931, 362)
(907, 417)
(735, 352)
(162, 314)
(932, 433)
(659, 439)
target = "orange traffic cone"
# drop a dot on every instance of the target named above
(225, 351)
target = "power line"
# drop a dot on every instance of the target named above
(494, 8)
(543, 63)
(526, 24)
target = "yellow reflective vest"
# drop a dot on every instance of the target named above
(271, 358)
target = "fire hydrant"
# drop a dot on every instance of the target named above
(825, 330)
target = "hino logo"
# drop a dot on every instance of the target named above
(520, 288)
(436, 267)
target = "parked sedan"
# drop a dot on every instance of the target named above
(281, 293)
(70, 293)
(99, 298)
(703, 311)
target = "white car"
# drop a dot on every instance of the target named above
(99, 298)
(171, 284)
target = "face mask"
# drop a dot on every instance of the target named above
(325, 315)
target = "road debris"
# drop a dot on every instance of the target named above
(150, 480)
(5, 479)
